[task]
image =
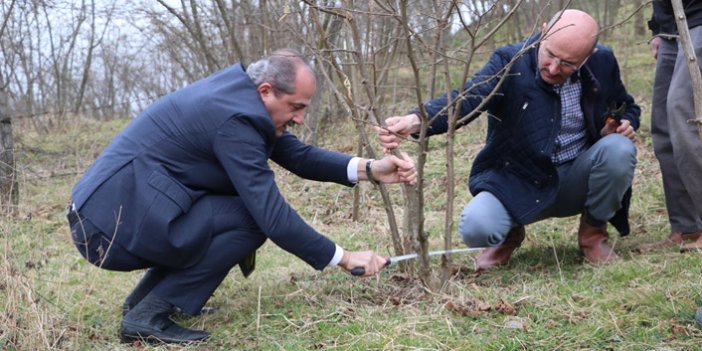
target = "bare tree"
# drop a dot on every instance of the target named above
(93, 41)
(9, 193)
(381, 39)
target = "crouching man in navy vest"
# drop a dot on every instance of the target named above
(560, 140)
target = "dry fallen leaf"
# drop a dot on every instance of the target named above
(471, 308)
(678, 329)
(505, 308)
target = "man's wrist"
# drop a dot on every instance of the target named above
(369, 171)
(352, 169)
(338, 256)
(416, 123)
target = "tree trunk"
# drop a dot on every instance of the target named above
(9, 194)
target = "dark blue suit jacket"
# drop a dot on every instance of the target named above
(213, 137)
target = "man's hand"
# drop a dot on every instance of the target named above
(624, 128)
(399, 127)
(369, 261)
(655, 44)
(392, 169)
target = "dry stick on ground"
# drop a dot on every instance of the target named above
(258, 314)
(692, 63)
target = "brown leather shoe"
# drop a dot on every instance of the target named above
(675, 239)
(693, 246)
(593, 243)
(499, 255)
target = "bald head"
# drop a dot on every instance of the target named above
(567, 41)
(573, 27)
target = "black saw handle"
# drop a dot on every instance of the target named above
(359, 271)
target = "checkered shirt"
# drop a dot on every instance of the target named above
(571, 139)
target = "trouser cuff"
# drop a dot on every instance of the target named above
(594, 221)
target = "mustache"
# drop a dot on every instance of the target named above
(290, 123)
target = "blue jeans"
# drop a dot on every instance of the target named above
(596, 180)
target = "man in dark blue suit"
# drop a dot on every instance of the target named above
(186, 191)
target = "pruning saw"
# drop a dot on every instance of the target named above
(358, 271)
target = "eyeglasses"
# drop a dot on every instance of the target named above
(560, 62)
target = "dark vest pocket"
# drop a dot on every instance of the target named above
(171, 189)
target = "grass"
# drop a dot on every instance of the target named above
(545, 299)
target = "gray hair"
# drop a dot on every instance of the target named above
(278, 69)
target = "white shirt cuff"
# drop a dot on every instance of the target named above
(352, 170)
(337, 256)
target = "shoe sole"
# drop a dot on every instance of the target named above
(128, 338)
(176, 311)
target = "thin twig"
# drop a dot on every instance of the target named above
(258, 314)
(555, 255)
(626, 19)
(384, 128)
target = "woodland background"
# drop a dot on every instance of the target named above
(74, 73)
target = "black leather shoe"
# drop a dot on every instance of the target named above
(149, 321)
(126, 307)
(145, 285)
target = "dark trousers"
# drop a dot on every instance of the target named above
(235, 235)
